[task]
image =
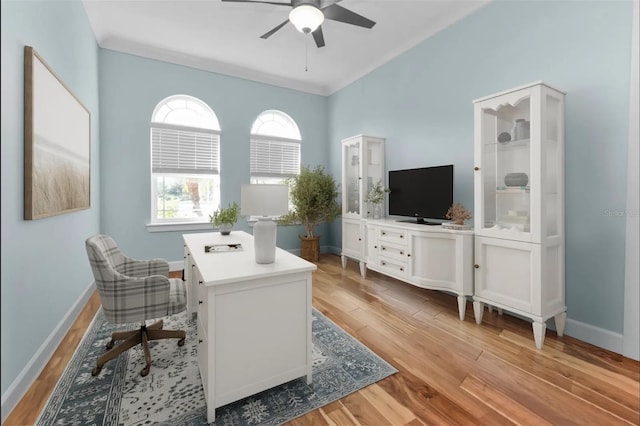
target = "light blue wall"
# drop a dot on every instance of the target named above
(44, 263)
(422, 103)
(130, 89)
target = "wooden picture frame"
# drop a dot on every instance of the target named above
(57, 143)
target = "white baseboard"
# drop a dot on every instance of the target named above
(36, 364)
(332, 250)
(597, 336)
(176, 265)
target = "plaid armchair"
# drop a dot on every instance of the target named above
(134, 290)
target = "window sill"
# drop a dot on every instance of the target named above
(178, 226)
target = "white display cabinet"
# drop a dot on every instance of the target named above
(362, 167)
(519, 205)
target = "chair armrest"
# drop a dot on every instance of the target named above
(144, 268)
(137, 298)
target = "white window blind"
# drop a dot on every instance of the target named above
(176, 150)
(272, 157)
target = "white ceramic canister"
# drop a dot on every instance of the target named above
(520, 129)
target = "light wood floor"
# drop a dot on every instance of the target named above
(451, 372)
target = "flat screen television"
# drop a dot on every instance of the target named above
(423, 193)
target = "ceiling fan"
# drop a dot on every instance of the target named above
(308, 15)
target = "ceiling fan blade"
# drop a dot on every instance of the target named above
(326, 3)
(259, 1)
(318, 36)
(340, 14)
(270, 33)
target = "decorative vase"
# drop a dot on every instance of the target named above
(504, 137)
(516, 179)
(377, 211)
(520, 129)
(225, 228)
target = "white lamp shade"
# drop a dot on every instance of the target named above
(306, 18)
(264, 200)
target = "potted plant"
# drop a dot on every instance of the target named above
(458, 214)
(314, 197)
(225, 217)
(375, 197)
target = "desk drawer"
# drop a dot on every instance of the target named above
(202, 304)
(203, 349)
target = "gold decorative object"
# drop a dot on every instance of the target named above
(458, 214)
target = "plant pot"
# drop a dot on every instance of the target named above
(310, 248)
(225, 228)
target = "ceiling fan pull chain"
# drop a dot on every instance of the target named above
(306, 53)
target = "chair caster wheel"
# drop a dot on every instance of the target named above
(96, 371)
(181, 342)
(145, 371)
(110, 344)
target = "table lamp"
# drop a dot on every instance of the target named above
(264, 201)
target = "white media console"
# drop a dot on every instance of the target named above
(426, 256)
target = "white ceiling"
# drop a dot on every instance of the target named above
(224, 37)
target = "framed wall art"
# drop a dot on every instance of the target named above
(57, 143)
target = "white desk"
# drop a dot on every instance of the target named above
(254, 320)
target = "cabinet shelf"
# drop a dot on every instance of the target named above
(514, 219)
(513, 190)
(519, 143)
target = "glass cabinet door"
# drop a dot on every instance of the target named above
(351, 180)
(506, 158)
(373, 168)
(552, 178)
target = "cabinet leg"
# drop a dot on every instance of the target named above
(363, 269)
(344, 261)
(211, 414)
(560, 321)
(478, 308)
(539, 330)
(490, 309)
(462, 306)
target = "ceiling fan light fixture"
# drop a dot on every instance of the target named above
(306, 18)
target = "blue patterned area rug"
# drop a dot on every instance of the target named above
(172, 393)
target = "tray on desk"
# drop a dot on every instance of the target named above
(222, 248)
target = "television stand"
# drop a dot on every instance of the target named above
(430, 257)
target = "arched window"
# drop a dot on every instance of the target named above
(185, 160)
(275, 148)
